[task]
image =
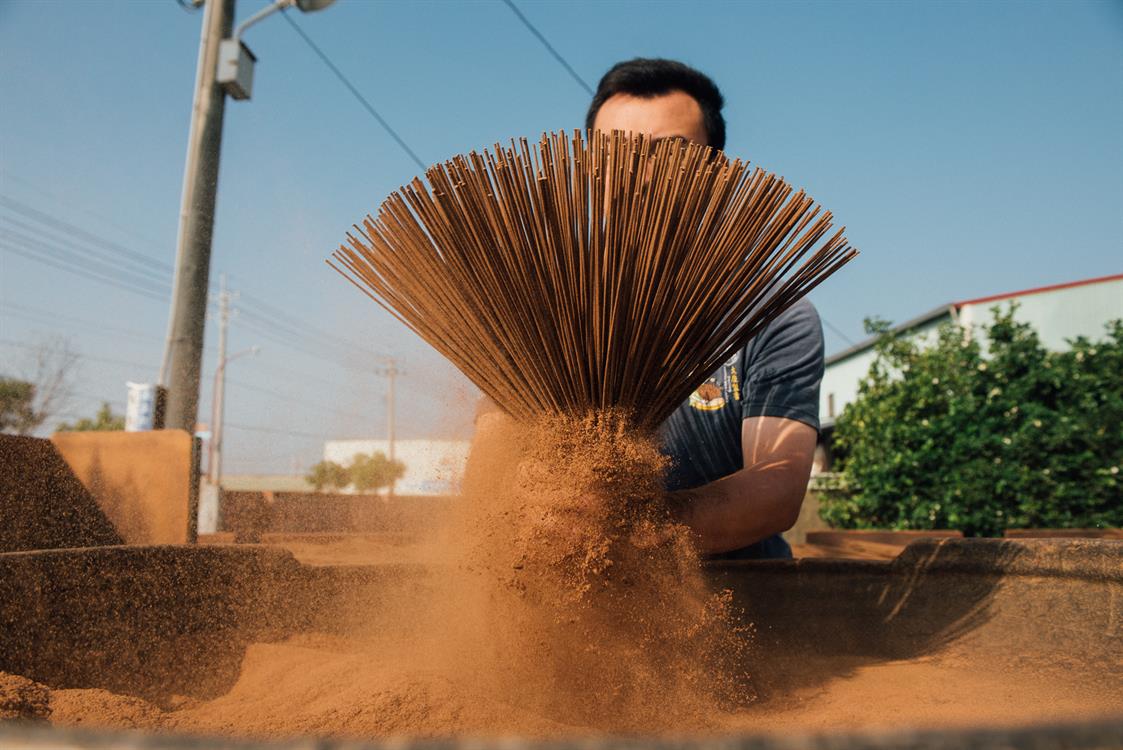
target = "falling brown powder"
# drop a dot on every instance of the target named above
(593, 608)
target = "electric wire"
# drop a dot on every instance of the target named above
(549, 47)
(837, 332)
(296, 400)
(273, 430)
(354, 91)
(156, 275)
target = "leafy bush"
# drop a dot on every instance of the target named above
(365, 473)
(17, 406)
(952, 436)
(374, 472)
(328, 474)
(104, 421)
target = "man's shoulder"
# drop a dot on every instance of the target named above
(796, 328)
(802, 313)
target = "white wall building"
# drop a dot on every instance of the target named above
(433, 467)
(1058, 312)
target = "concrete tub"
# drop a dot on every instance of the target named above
(162, 622)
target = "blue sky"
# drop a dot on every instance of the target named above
(970, 149)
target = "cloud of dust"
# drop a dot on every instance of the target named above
(567, 592)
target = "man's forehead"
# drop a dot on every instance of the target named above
(671, 115)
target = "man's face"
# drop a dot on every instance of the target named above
(673, 115)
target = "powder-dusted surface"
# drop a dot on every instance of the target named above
(21, 698)
(561, 601)
(303, 687)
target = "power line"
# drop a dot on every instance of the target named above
(30, 255)
(295, 399)
(86, 258)
(50, 317)
(836, 330)
(271, 430)
(291, 398)
(259, 325)
(549, 47)
(153, 282)
(354, 91)
(58, 224)
(278, 316)
(45, 316)
(40, 237)
(90, 357)
(71, 207)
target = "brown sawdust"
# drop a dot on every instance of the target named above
(596, 612)
(563, 599)
(21, 698)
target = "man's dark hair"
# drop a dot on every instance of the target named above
(651, 77)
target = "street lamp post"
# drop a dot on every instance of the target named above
(183, 350)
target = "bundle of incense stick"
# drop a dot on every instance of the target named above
(612, 272)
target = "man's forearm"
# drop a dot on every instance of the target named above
(740, 509)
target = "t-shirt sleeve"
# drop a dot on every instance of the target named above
(784, 367)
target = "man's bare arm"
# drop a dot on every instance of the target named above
(761, 499)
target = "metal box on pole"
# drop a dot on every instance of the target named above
(235, 68)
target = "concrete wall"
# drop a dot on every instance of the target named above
(1058, 314)
(146, 483)
(250, 514)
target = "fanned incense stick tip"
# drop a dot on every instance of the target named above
(584, 274)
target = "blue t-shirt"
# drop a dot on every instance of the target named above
(777, 374)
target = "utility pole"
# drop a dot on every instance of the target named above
(391, 374)
(183, 353)
(219, 398)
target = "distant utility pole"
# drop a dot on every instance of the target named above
(214, 465)
(218, 407)
(183, 353)
(391, 372)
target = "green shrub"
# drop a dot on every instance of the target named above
(328, 474)
(949, 436)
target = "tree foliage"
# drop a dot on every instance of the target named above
(328, 474)
(39, 389)
(17, 406)
(105, 420)
(366, 473)
(953, 435)
(374, 472)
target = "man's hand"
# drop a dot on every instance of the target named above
(761, 499)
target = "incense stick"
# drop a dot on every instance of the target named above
(587, 274)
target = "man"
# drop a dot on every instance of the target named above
(741, 447)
